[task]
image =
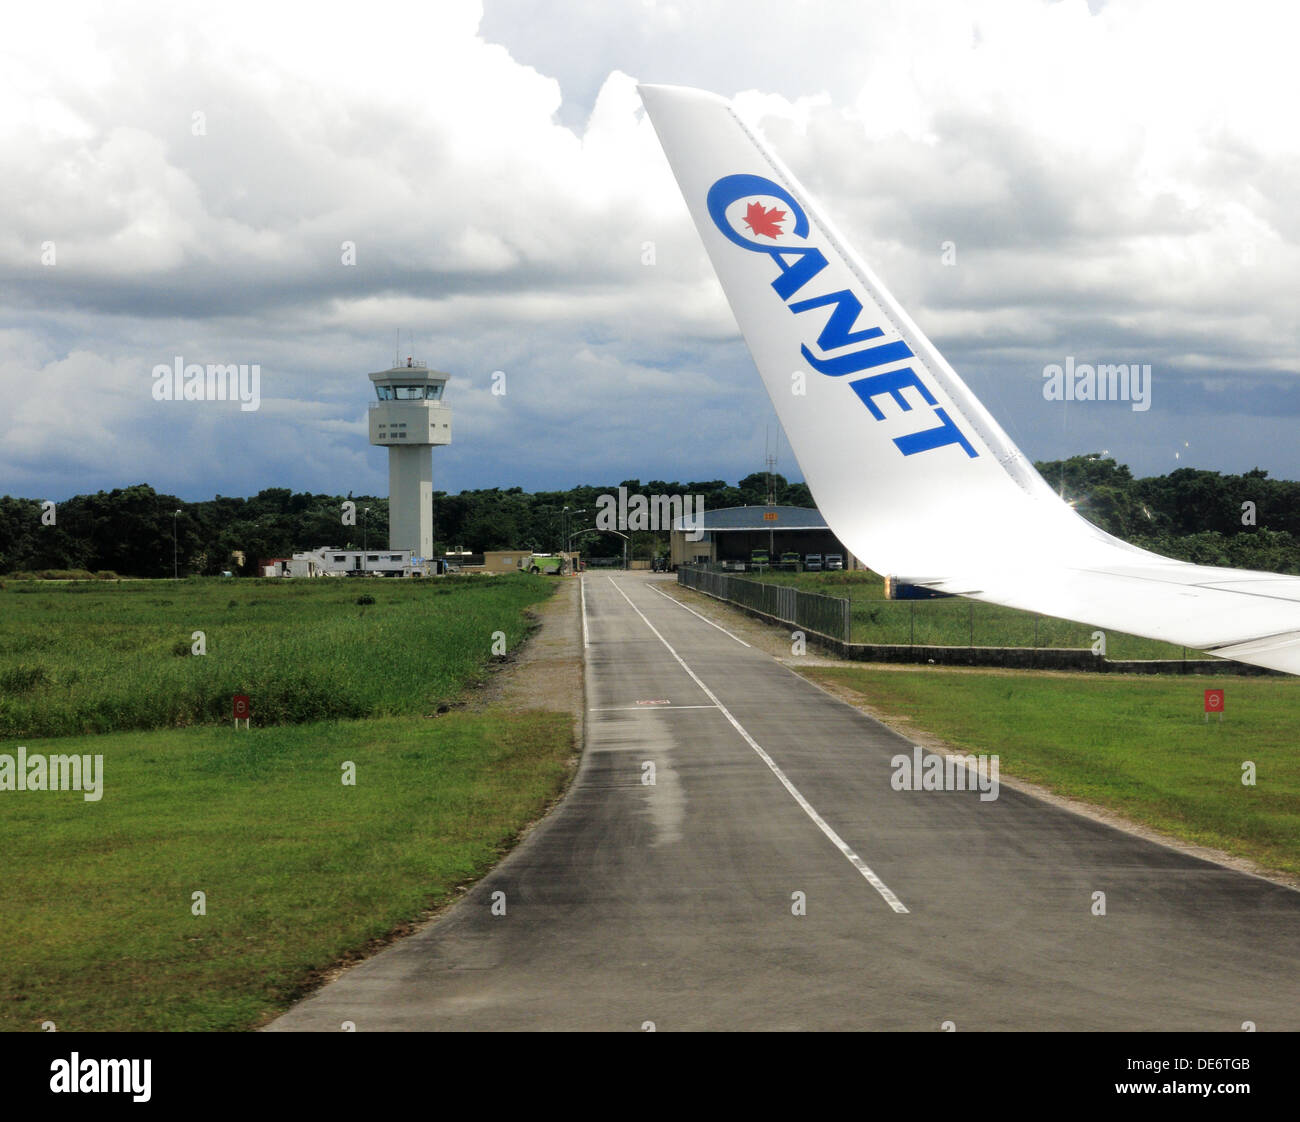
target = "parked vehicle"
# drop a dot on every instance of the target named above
(834, 561)
(549, 563)
(812, 563)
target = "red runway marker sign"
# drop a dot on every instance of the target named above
(242, 708)
(1214, 703)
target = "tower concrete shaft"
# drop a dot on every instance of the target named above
(410, 499)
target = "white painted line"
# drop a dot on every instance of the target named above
(586, 635)
(647, 708)
(674, 600)
(837, 841)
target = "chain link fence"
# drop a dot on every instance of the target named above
(826, 615)
(957, 630)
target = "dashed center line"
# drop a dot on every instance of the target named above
(647, 708)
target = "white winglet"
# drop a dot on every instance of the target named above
(910, 470)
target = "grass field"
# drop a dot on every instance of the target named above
(97, 657)
(1138, 745)
(958, 622)
(299, 869)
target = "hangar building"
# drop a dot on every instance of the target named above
(730, 533)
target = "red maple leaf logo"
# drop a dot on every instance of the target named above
(765, 223)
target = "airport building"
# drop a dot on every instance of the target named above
(731, 534)
(331, 562)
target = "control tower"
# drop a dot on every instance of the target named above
(409, 419)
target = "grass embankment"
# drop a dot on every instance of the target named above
(959, 622)
(298, 869)
(1137, 745)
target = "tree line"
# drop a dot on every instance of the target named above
(1244, 521)
(135, 531)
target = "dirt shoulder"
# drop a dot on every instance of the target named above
(546, 671)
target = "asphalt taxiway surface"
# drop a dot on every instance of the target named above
(675, 904)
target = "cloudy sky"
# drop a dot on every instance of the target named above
(1120, 183)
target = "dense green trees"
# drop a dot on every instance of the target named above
(1244, 521)
(1190, 514)
(130, 530)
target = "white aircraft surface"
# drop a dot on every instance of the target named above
(910, 471)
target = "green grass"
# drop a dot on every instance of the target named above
(1138, 745)
(103, 657)
(298, 869)
(959, 622)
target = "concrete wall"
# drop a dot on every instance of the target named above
(504, 560)
(682, 552)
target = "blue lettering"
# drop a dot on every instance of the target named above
(838, 330)
(794, 277)
(858, 360)
(944, 433)
(892, 383)
(798, 265)
(810, 261)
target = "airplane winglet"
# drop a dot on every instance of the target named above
(910, 470)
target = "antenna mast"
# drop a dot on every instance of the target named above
(769, 458)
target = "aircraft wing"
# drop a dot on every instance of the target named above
(909, 469)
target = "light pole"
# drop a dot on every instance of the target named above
(570, 534)
(365, 528)
(564, 524)
(175, 562)
(572, 515)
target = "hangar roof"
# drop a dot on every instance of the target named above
(755, 518)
